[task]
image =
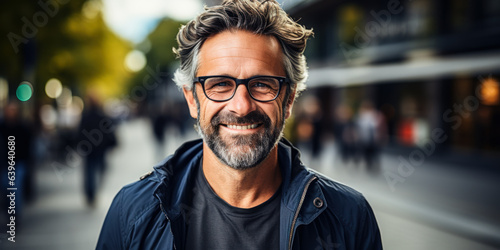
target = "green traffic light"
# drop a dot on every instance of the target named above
(24, 92)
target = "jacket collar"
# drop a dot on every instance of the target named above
(300, 192)
(176, 172)
(174, 175)
(295, 175)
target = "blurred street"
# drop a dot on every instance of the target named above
(402, 104)
(435, 208)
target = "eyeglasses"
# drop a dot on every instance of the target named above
(223, 88)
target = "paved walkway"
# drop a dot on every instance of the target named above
(60, 219)
(436, 207)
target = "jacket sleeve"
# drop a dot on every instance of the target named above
(368, 233)
(111, 236)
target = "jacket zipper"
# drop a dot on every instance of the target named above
(164, 213)
(298, 210)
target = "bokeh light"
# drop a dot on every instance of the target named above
(24, 91)
(48, 116)
(4, 90)
(53, 88)
(65, 99)
(91, 9)
(490, 91)
(77, 103)
(135, 61)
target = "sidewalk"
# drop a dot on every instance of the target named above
(436, 207)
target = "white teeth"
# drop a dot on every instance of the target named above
(242, 127)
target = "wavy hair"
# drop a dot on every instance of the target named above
(262, 17)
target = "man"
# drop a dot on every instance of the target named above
(95, 161)
(241, 186)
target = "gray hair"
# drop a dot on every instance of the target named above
(263, 17)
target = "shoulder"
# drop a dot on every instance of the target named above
(131, 214)
(346, 214)
(138, 197)
(339, 191)
(348, 205)
(134, 202)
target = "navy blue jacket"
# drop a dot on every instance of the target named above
(316, 212)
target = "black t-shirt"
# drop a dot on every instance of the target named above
(214, 224)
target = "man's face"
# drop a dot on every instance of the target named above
(241, 132)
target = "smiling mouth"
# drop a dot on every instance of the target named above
(238, 127)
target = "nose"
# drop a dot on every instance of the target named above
(241, 103)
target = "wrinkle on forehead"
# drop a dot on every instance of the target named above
(241, 48)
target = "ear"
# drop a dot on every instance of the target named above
(289, 104)
(191, 102)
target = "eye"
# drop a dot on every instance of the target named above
(264, 84)
(261, 85)
(221, 84)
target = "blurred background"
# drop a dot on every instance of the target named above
(403, 104)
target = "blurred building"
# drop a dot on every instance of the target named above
(431, 66)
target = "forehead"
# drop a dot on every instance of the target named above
(239, 52)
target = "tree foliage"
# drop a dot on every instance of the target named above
(62, 39)
(158, 48)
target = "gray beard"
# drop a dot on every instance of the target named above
(241, 152)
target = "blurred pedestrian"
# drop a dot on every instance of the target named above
(308, 125)
(19, 133)
(371, 129)
(159, 120)
(314, 115)
(94, 128)
(345, 133)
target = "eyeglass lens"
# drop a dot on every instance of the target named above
(261, 88)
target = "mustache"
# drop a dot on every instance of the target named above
(252, 117)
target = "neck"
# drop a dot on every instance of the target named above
(242, 188)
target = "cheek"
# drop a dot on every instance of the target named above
(204, 116)
(276, 113)
(208, 111)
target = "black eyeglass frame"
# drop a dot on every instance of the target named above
(202, 79)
